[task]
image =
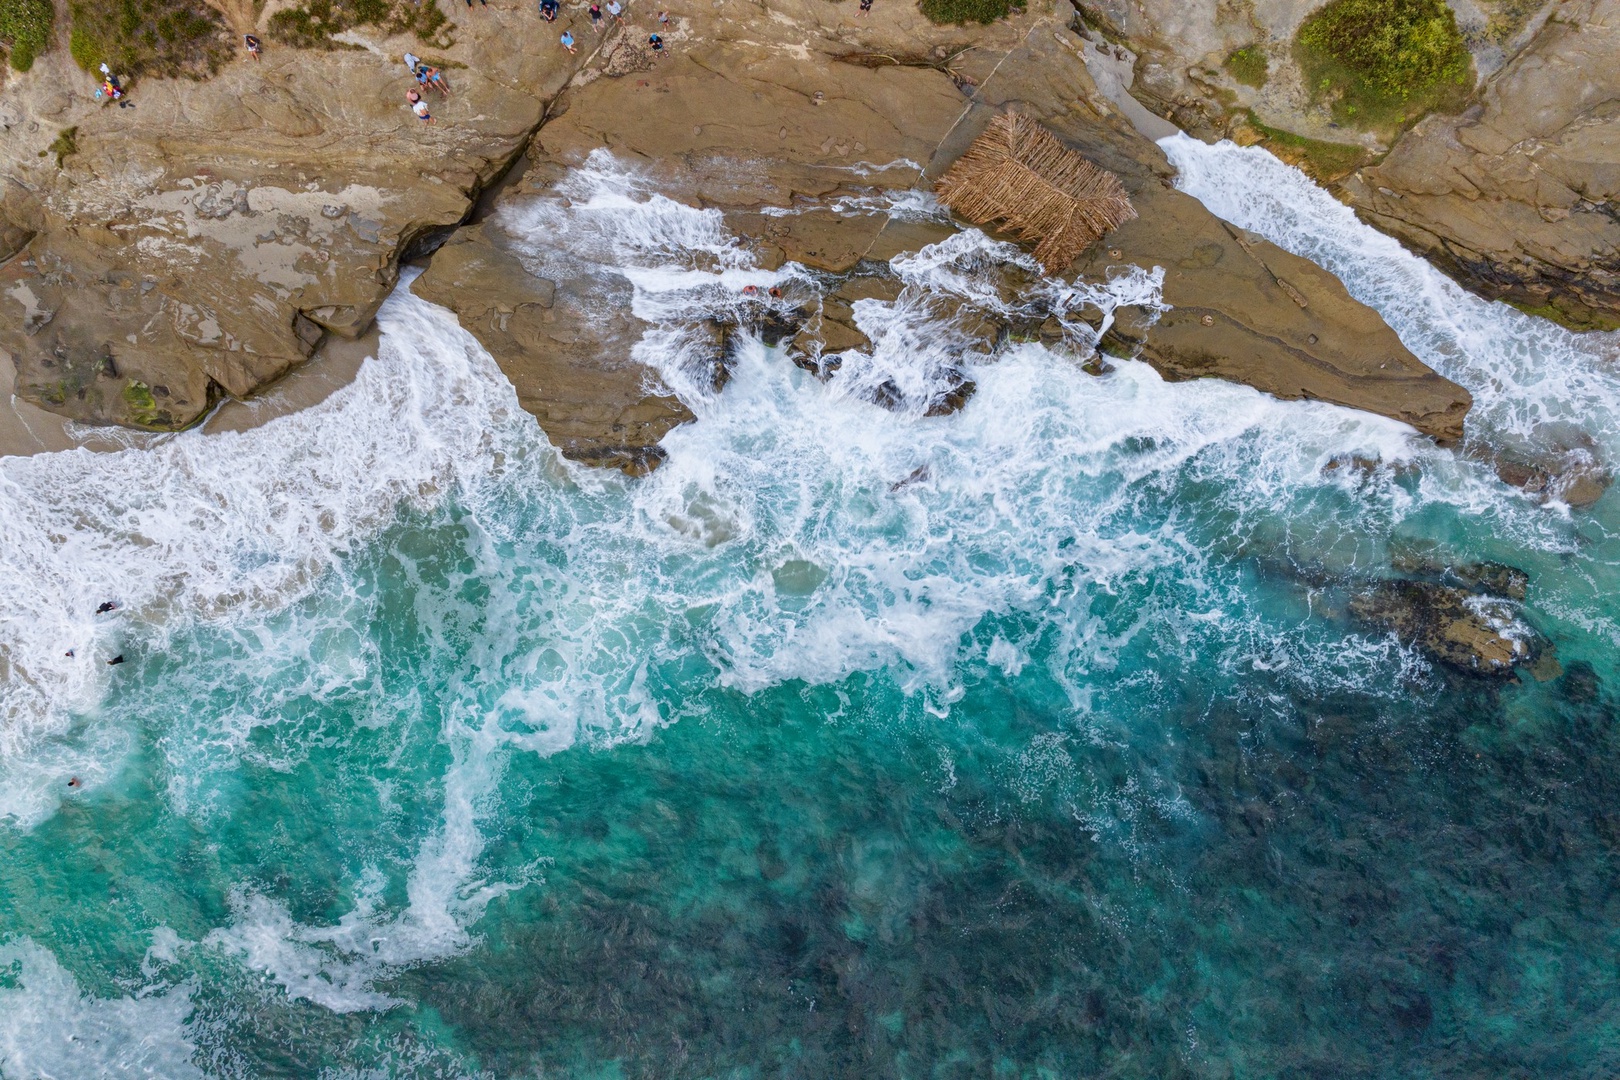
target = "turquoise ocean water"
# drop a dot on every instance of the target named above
(1030, 741)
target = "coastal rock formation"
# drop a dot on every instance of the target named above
(781, 124)
(202, 242)
(1519, 197)
(1241, 308)
(589, 396)
(1516, 196)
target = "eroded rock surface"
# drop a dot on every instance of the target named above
(164, 270)
(1241, 308)
(1467, 630)
(567, 358)
(202, 242)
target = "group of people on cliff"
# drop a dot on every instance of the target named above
(432, 78)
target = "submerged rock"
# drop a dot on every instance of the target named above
(1469, 631)
(1490, 578)
(1571, 473)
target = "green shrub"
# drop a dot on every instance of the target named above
(312, 24)
(1249, 66)
(966, 11)
(140, 37)
(65, 146)
(25, 28)
(1385, 62)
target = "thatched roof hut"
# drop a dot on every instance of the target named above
(1018, 173)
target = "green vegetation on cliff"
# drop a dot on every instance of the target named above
(148, 37)
(25, 29)
(1249, 66)
(65, 146)
(312, 24)
(966, 11)
(1383, 63)
(1323, 162)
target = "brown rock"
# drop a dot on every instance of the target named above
(885, 287)
(830, 331)
(821, 239)
(589, 397)
(898, 236)
(202, 241)
(1568, 470)
(1480, 635)
(1281, 323)
(1231, 316)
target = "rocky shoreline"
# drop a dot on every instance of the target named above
(151, 275)
(162, 274)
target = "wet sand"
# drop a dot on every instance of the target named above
(27, 429)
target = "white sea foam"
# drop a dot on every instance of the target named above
(211, 526)
(49, 1028)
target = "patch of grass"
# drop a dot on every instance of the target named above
(1248, 66)
(1323, 162)
(148, 37)
(25, 29)
(966, 11)
(1508, 17)
(1384, 63)
(65, 146)
(313, 23)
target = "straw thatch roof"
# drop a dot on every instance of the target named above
(1018, 173)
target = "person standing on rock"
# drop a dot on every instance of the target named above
(866, 9)
(418, 106)
(434, 78)
(548, 10)
(252, 44)
(568, 41)
(596, 17)
(484, 2)
(616, 10)
(657, 43)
